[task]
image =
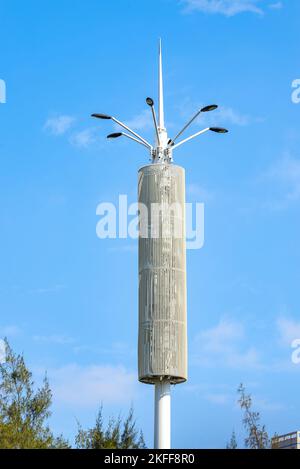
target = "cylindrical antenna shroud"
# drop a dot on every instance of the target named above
(162, 343)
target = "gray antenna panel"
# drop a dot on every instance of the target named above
(162, 349)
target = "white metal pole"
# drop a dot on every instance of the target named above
(162, 418)
(190, 138)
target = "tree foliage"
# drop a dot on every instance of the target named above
(118, 434)
(24, 410)
(257, 436)
(232, 444)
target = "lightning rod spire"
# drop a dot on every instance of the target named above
(161, 119)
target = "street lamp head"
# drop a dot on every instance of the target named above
(101, 116)
(150, 102)
(115, 135)
(211, 107)
(218, 130)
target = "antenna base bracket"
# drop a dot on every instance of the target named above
(161, 155)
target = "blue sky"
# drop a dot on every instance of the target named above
(68, 300)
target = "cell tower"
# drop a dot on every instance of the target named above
(162, 341)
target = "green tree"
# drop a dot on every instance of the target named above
(257, 436)
(117, 435)
(232, 444)
(24, 410)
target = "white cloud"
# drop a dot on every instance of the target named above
(276, 6)
(219, 337)
(222, 345)
(124, 248)
(83, 387)
(269, 406)
(227, 114)
(217, 398)
(53, 339)
(117, 349)
(142, 121)
(195, 190)
(224, 7)
(51, 289)
(285, 175)
(219, 394)
(10, 331)
(59, 125)
(288, 329)
(84, 138)
(221, 116)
